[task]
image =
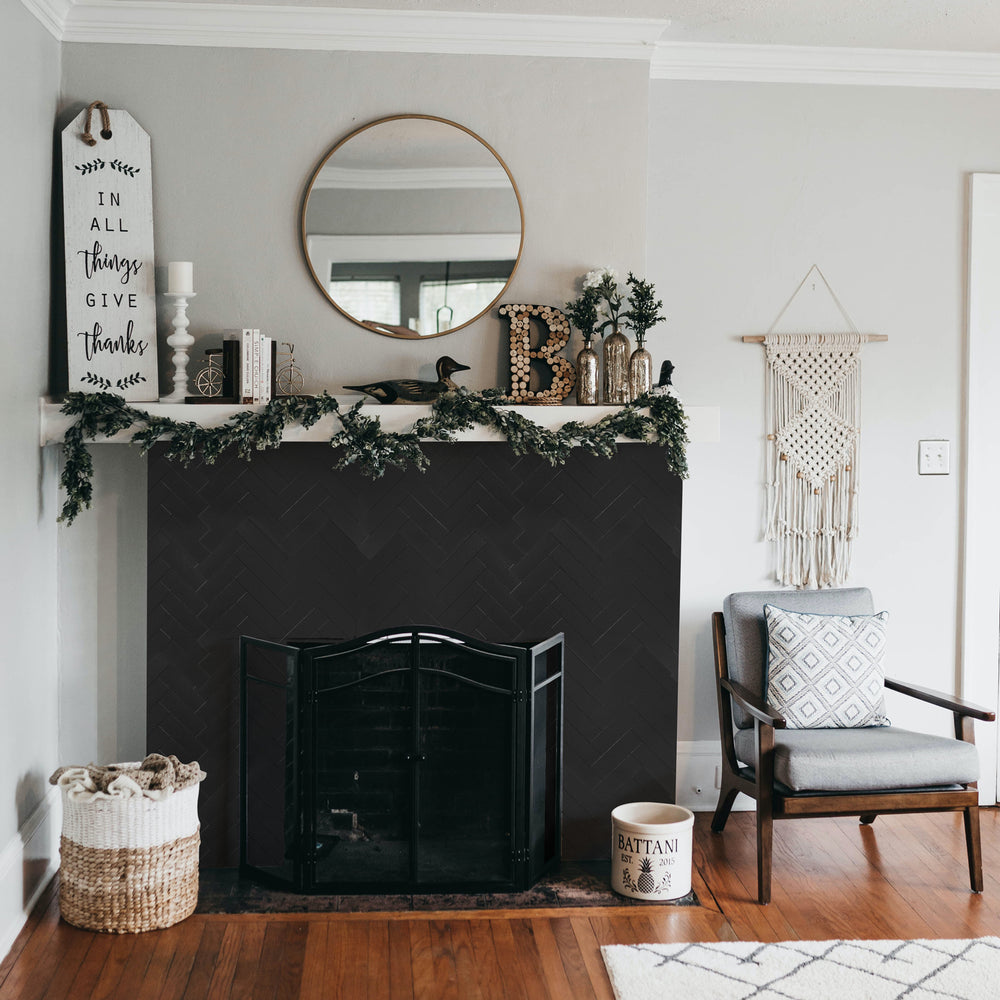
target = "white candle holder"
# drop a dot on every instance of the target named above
(180, 340)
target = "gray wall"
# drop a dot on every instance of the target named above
(29, 77)
(228, 178)
(229, 174)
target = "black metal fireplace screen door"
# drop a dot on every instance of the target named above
(414, 759)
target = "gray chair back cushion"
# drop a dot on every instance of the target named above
(746, 634)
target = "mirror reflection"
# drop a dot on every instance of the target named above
(412, 226)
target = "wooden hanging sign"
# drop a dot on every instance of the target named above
(110, 292)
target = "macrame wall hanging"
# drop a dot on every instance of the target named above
(813, 413)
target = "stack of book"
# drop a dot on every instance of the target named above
(249, 362)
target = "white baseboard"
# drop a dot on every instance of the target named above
(27, 863)
(698, 763)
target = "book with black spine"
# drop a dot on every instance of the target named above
(232, 349)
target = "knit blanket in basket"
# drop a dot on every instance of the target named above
(156, 777)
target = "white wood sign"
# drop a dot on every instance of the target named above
(110, 292)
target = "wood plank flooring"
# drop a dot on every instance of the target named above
(903, 877)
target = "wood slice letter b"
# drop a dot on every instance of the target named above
(524, 357)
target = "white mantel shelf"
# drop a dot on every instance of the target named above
(703, 421)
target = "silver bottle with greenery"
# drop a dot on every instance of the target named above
(616, 345)
(582, 313)
(643, 313)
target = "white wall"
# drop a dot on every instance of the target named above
(29, 77)
(749, 186)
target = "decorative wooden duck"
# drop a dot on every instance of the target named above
(411, 390)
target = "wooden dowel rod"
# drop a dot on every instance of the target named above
(866, 338)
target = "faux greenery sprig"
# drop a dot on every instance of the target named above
(644, 307)
(601, 296)
(582, 312)
(361, 439)
(604, 281)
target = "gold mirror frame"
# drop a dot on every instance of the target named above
(400, 332)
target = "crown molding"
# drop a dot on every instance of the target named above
(243, 25)
(247, 25)
(820, 64)
(52, 14)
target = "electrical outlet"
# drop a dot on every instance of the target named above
(934, 458)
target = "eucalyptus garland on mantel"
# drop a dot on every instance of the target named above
(363, 442)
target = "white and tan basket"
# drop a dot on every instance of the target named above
(129, 864)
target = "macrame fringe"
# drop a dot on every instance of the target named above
(813, 406)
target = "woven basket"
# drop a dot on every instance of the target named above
(129, 864)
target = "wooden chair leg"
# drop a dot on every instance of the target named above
(765, 827)
(868, 818)
(974, 846)
(764, 773)
(726, 799)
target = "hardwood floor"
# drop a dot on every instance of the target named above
(903, 877)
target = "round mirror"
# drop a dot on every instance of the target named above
(412, 226)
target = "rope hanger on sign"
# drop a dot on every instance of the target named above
(813, 407)
(105, 123)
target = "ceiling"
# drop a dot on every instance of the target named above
(927, 25)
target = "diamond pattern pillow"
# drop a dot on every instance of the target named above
(825, 671)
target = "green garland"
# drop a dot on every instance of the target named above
(361, 437)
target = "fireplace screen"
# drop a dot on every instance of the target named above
(413, 759)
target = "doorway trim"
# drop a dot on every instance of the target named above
(980, 571)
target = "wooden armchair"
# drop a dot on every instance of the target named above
(795, 773)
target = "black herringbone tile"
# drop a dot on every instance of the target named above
(484, 542)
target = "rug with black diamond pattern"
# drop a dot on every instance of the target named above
(807, 970)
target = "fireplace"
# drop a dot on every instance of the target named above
(497, 546)
(410, 760)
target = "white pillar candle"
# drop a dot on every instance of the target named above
(180, 277)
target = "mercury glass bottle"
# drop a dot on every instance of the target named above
(616, 357)
(587, 375)
(640, 368)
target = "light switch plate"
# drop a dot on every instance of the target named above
(934, 458)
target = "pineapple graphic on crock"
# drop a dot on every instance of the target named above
(645, 882)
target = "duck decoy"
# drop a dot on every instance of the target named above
(411, 390)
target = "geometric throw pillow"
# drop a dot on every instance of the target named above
(825, 671)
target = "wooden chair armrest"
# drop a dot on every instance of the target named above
(956, 705)
(753, 704)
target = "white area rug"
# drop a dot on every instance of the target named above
(807, 970)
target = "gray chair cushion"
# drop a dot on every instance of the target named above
(863, 760)
(746, 635)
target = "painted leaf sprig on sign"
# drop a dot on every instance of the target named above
(110, 292)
